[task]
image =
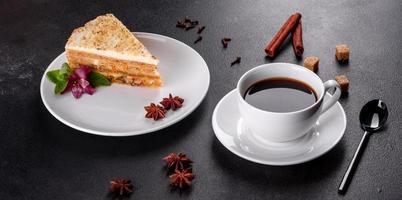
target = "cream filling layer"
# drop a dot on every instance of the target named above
(119, 74)
(120, 56)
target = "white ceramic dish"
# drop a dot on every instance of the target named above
(118, 110)
(230, 130)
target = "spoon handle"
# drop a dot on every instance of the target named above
(352, 165)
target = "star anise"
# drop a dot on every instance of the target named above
(177, 161)
(121, 187)
(182, 178)
(172, 102)
(155, 111)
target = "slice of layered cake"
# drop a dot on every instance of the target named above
(108, 47)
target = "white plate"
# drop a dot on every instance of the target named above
(230, 130)
(118, 110)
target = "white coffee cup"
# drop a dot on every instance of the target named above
(284, 126)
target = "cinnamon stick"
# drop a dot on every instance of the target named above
(281, 35)
(297, 39)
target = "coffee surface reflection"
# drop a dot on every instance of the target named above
(280, 94)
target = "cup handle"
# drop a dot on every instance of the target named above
(328, 85)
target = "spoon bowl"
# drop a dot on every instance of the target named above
(373, 115)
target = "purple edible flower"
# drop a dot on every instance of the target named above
(78, 83)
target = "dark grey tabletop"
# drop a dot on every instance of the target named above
(41, 158)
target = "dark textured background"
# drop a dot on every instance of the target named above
(40, 158)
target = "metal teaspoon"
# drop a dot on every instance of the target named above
(372, 117)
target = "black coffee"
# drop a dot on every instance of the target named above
(280, 94)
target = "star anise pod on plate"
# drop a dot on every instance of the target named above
(177, 161)
(181, 178)
(172, 102)
(121, 187)
(155, 111)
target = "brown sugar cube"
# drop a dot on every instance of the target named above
(343, 82)
(342, 52)
(311, 63)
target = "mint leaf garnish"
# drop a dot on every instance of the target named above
(53, 76)
(96, 79)
(60, 87)
(65, 70)
(59, 77)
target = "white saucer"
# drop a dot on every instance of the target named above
(118, 110)
(230, 130)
